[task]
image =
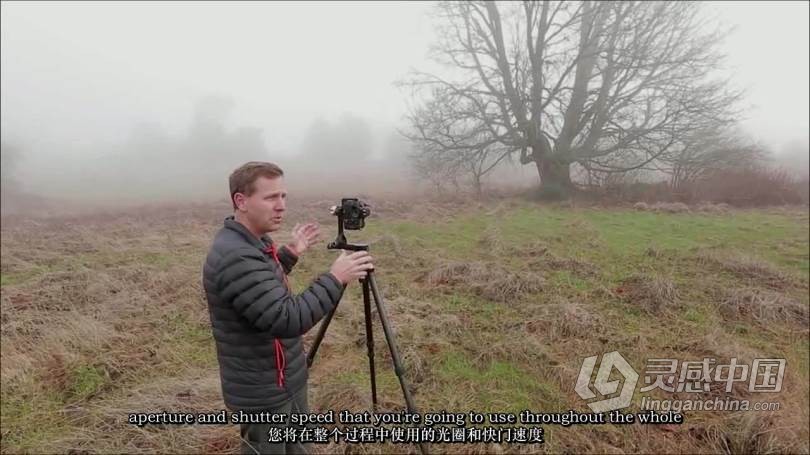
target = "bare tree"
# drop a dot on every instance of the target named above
(703, 152)
(571, 82)
(437, 170)
(450, 146)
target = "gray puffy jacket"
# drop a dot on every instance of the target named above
(257, 321)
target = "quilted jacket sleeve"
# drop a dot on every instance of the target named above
(248, 281)
(287, 258)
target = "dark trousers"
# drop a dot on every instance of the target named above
(255, 438)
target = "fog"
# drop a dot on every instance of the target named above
(128, 102)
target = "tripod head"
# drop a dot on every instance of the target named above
(351, 214)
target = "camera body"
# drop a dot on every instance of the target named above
(352, 212)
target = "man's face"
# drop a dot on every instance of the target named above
(264, 209)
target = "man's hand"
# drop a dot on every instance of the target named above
(351, 266)
(304, 236)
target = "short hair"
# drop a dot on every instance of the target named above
(242, 179)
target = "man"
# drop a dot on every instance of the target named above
(256, 319)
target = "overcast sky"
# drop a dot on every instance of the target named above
(76, 74)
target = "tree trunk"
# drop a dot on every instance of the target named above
(477, 184)
(555, 178)
(554, 173)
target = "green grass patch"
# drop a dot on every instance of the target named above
(630, 233)
(31, 417)
(24, 276)
(697, 315)
(458, 236)
(187, 343)
(385, 378)
(532, 223)
(500, 387)
(566, 279)
(461, 303)
(161, 261)
(86, 380)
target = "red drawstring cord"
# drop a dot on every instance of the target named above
(272, 250)
(281, 361)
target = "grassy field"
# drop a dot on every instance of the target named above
(495, 306)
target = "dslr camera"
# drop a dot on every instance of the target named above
(351, 213)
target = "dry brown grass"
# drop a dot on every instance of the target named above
(118, 293)
(105, 426)
(574, 319)
(747, 433)
(540, 259)
(652, 294)
(578, 267)
(563, 320)
(642, 206)
(756, 271)
(662, 207)
(486, 280)
(390, 242)
(533, 249)
(88, 315)
(708, 207)
(764, 307)
(491, 240)
(679, 207)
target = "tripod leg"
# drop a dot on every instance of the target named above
(389, 337)
(370, 343)
(319, 337)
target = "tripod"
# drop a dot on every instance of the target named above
(369, 287)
